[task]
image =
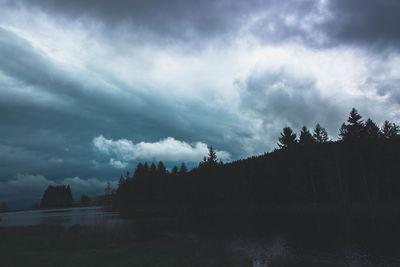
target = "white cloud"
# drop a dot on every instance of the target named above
(118, 164)
(167, 149)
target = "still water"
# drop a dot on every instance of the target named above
(260, 248)
(66, 217)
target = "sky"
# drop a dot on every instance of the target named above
(90, 88)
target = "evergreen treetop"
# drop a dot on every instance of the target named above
(287, 139)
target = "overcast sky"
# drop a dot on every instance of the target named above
(90, 88)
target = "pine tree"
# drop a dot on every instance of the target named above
(140, 171)
(183, 169)
(287, 139)
(305, 137)
(320, 135)
(145, 167)
(390, 130)
(161, 170)
(371, 130)
(122, 181)
(153, 168)
(174, 171)
(212, 157)
(354, 130)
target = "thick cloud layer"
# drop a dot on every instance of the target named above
(316, 22)
(157, 80)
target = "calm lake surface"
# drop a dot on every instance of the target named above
(260, 248)
(66, 217)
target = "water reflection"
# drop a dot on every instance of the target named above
(66, 217)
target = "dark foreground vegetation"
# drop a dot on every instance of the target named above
(98, 245)
(360, 169)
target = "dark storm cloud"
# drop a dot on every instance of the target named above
(318, 23)
(364, 22)
(49, 118)
(179, 19)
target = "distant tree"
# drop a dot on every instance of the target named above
(69, 197)
(140, 171)
(389, 130)
(212, 157)
(203, 162)
(153, 168)
(305, 137)
(145, 167)
(287, 139)
(183, 169)
(85, 200)
(354, 129)
(109, 193)
(35, 206)
(161, 170)
(320, 135)
(371, 130)
(210, 160)
(108, 188)
(3, 206)
(122, 181)
(57, 197)
(174, 171)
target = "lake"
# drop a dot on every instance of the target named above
(259, 247)
(66, 217)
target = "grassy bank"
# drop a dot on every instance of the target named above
(100, 246)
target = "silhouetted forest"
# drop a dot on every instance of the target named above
(362, 166)
(57, 197)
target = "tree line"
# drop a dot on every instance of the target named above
(362, 166)
(61, 196)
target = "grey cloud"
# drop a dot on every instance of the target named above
(46, 113)
(280, 98)
(190, 22)
(364, 22)
(176, 19)
(284, 97)
(317, 23)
